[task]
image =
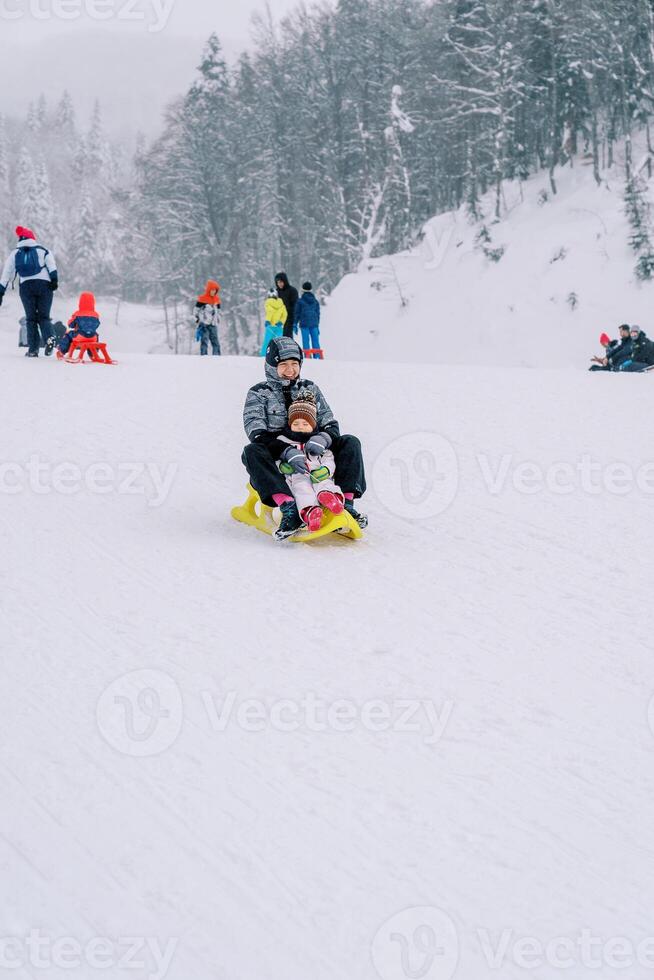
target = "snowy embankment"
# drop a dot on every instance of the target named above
(566, 275)
(450, 716)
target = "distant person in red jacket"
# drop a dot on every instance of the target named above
(207, 318)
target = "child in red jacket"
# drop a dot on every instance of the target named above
(83, 323)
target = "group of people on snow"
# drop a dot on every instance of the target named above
(286, 312)
(633, 351)
(35, 267)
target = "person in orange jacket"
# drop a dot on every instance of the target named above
(207, 318)
(84, 322)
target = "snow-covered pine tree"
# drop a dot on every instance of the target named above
(25, 193)
(638, 212)
(43, 207)
(5, 194)
(83, 250)
(65, 123)
(96, 146)
(42, 112)
(33, 123)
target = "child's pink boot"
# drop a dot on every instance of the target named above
(312, 517)
(332, 501)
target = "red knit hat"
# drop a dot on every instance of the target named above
(605, 339)
(25, 232)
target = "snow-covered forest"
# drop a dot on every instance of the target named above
(65, 177)
(333, 139)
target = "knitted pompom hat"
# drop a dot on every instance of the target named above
(604, 339)
(305, 408)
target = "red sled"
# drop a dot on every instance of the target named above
(315, 351)
(97, 352)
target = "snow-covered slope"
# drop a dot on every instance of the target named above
(460, 307)
(449, 717)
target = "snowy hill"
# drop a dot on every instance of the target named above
(256, 758)
(565, 276)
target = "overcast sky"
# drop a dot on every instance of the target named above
(134, 55)
(35, 20)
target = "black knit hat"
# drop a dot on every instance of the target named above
(307, 287)
(283, 349)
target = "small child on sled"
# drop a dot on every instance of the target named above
(83, 323)
(308, 464)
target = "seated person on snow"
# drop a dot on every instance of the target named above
(310, 477)
(641, 356)
(265, 416)
(84, 323)
(616, 351)
(602, 363)
(275, 319)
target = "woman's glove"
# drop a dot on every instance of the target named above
(316, 445)
(296, 459)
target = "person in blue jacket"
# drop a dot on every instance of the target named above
(307, 318)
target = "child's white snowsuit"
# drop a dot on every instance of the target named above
(302, 487)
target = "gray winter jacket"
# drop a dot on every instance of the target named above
(266, 406)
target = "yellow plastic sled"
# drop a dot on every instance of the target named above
(256, 514)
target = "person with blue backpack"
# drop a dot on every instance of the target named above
(307, 318)
(36, 269)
